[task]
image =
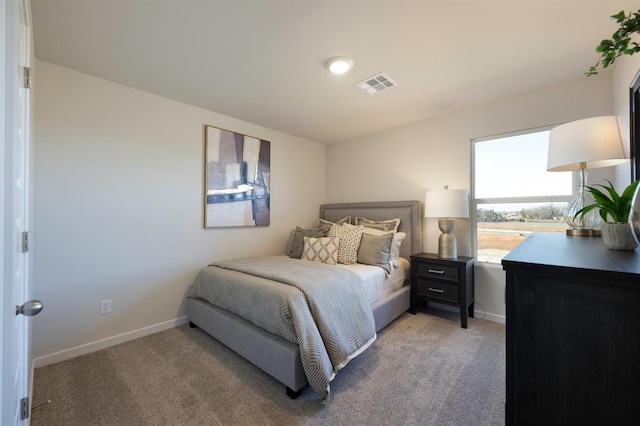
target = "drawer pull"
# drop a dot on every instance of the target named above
(436, 271)
(436, 290)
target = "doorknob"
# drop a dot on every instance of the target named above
(30, 308)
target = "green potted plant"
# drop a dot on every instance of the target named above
(620, 42)
(616, 233)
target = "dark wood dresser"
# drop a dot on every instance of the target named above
(572, 332)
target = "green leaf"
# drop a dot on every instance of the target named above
(603, 215)
(600, 197)
(610, 49)
(585, 210)
(631, 189)
(604, 45)
(609, 202)
(612, 191)
(619, 17)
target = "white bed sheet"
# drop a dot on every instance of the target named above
(375, 281)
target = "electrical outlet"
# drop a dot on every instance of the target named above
(105, 307)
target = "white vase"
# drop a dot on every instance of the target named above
(618, 236)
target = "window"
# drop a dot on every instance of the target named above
(513, 194)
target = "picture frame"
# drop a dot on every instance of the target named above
(237, 181)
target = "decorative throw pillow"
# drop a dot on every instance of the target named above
(350, 236)
(383, 225)
(376, 250)
(328, 223)
(297, 243)
(395, 244)
(323, 250)
(287, 247)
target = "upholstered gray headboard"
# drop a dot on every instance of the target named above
(407, 211)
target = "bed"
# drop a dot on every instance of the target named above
(281, 358)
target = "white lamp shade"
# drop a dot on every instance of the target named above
(447, 203)
(594, 141)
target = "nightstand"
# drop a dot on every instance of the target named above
(447, 281)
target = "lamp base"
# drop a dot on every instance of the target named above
(582, 225)
(447, 245)
(576, 232)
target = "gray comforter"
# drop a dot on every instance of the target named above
(324, 309)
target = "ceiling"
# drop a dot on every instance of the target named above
(262, 61)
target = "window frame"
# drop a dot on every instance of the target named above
(506, 200)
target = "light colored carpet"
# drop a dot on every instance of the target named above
(424, 369)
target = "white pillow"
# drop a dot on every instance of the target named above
(395, 251)
(323, 250)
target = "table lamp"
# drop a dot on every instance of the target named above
(580, 145)
(447, 205)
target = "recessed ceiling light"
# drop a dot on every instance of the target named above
(339, 64)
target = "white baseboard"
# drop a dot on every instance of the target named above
(105, 343)
(476, 313)
(490, 317)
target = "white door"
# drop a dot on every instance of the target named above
(16, 135)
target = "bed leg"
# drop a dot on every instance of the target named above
(293, 394)
(192, 325)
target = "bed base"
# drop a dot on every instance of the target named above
(269, 352)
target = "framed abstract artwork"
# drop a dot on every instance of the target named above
(237, 179)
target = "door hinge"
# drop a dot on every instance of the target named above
(24, 408)
(25, 242)
(26, 77)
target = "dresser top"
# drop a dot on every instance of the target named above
(580, 253)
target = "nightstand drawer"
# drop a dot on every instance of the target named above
(438, 271)
(437, 290)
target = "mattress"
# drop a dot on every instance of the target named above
(377, 284)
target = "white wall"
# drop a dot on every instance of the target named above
(119, 207)
(118, 194)
(404, 162)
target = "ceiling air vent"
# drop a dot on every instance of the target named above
(376, 84)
